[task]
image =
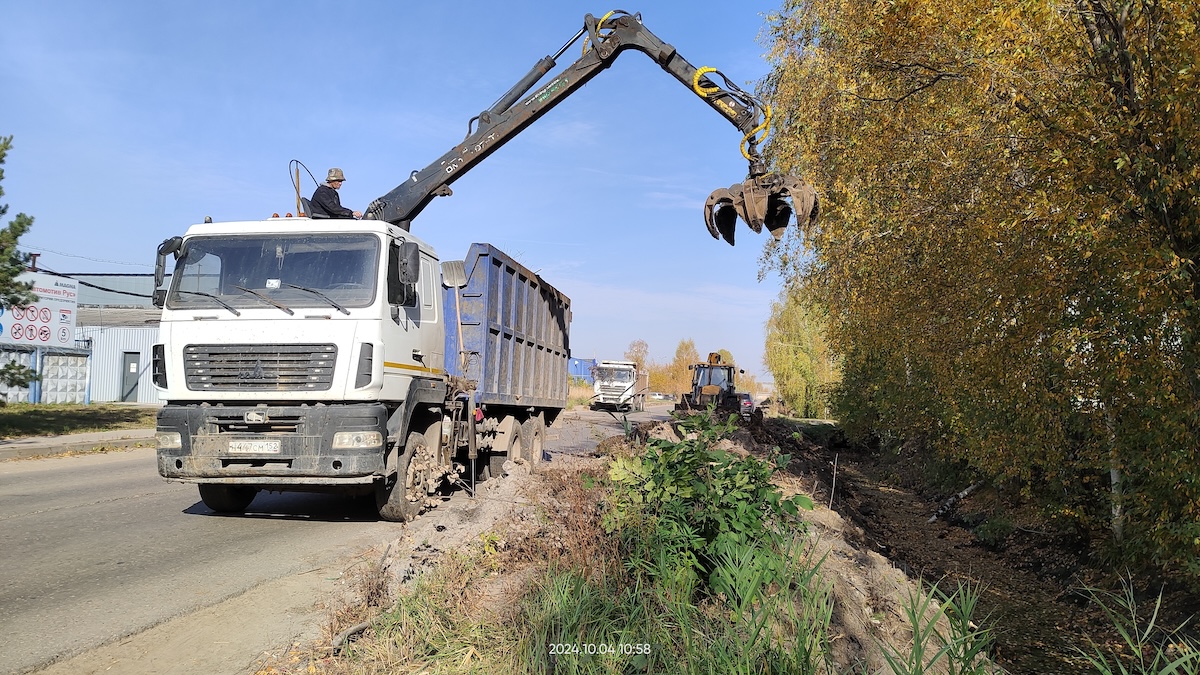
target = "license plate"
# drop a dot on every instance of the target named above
(254, 446)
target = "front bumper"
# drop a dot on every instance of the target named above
(270, 445)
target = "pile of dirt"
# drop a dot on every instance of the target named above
(1031, 577)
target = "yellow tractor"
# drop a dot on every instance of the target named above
(712, 383)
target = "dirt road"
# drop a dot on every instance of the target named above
(270, 587)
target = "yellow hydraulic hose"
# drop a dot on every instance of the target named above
(766, 125)
(586, 38)
(704, 92)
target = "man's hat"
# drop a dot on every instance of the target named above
(335, 174)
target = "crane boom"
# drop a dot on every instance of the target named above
(761, 199)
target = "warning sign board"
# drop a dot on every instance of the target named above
(47, 322)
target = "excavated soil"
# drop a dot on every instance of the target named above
(1032, 580)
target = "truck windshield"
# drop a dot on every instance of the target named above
(620, 375)
(294, 270)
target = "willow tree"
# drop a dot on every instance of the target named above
(1008, 242)
(674, 377)
(798, 355)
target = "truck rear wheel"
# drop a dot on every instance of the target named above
(533, 438)
(404, 499)
(227, 498)
(490, 464)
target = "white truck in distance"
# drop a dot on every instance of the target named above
(619, 386)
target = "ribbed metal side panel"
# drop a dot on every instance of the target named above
(271, 367)
(108, 344)
(517, 328)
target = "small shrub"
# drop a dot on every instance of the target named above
(696, 504)
(993, 532)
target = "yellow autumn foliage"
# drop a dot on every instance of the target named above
(1010, 225)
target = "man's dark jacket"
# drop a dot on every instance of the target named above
(325, 202)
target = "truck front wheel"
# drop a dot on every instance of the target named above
(227, 498)
(403, 500)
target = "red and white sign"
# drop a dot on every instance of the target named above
(50, 321)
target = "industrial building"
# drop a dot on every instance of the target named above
(108, 357)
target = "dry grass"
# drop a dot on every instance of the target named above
(21, 420)
(570, 534)
(368, 592)
(579, 395)
(463, 615)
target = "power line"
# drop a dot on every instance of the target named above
(91, 285)
(33, 248)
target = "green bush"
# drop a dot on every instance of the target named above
(684, 507)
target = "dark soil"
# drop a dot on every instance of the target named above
(1032, 578)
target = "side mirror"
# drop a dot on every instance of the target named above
(173, 245)
(409, 263)
(160, 297)
(404, 270)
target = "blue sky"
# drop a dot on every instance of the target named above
(133, 120)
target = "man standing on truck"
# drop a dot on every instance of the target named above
(325, 201)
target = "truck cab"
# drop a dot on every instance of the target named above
(619, 386)
(287, 348)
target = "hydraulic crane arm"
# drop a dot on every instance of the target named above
(760, 200)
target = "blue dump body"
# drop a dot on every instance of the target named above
(516, 328)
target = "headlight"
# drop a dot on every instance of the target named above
(168, 440)
(349, 440)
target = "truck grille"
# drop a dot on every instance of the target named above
(235, 423)
(259, 367)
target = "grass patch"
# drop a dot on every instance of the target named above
(825, 433)
(579, 395)
(81, 452)
(20, 420)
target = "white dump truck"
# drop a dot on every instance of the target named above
(619, 386)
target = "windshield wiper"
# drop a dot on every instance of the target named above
(221, 302)
(256, 294)
(320, 295)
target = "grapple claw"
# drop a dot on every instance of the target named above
(768, 199)
(720, 212)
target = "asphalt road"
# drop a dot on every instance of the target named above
(97, 548)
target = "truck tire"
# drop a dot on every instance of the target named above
(493, 465)
(533, 433)
(227, 498)
(516, 446)
(404, 499)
